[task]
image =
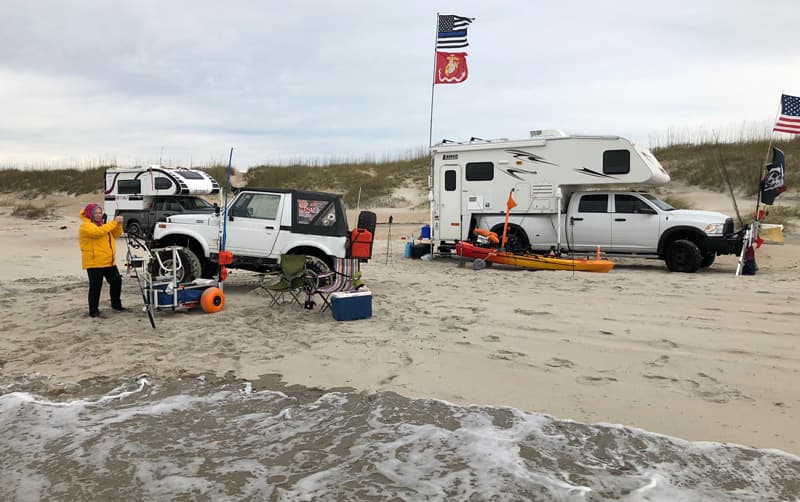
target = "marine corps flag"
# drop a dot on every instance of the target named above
(773, 183)
(451, 67)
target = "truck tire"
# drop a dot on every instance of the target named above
(134, 229)
(516, 239)
(189, 270)
(707, 260)
(683, 255)
(367, 220)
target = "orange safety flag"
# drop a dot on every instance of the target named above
(510, 204)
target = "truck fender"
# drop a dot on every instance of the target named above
(680, 232)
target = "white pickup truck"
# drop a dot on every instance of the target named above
(623, 224)
(262, 224)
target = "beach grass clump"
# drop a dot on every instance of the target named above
(31, 211)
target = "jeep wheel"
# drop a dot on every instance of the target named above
(708, 260)
(683, 256)
(188, 270)
(134, 229)
(319, 267)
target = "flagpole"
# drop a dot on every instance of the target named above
(430, 138)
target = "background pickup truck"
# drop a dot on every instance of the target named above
(263, 224)
(140, 222)
(624, 224)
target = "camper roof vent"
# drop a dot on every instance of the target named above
(557, 133)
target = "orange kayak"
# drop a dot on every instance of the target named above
(532, 261)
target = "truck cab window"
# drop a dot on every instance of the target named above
(593, 203)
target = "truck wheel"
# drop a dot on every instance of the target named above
(516, 240)
(707, 260)
(683, 256)
(134, 229)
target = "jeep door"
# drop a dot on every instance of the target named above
(590, 224)
(253, 224)
(635, 225)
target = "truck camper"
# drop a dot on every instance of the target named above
(145, 195)
(568, 192)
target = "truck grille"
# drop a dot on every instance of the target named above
(728, 228)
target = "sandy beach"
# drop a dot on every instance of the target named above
(707, 356)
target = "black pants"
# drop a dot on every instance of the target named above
(96, 276)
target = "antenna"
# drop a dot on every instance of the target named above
(160, 156)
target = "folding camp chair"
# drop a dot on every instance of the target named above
(346, 276)
(292, 280)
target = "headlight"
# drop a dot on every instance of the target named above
(714, 228)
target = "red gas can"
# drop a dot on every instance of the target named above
(361, 243)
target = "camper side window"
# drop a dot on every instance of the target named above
(593, 203)
(162, 183)
(616, 162)
(129, 186)
(479, 171)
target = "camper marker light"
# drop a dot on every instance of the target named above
(714, 228)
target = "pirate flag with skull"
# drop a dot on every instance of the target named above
(773, 183)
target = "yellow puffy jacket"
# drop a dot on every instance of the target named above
(98, 244)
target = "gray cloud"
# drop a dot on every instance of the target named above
(124, 80)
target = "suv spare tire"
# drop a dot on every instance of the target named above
(367, 220)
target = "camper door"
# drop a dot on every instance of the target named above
(449, 202)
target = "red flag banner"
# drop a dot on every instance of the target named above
(451, 67)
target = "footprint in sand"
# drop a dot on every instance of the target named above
(555, 362)
(595, 380)
(705, 387)
(491, 338)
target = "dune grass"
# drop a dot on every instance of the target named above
(703, 163)
(31, 211)
(706, 164)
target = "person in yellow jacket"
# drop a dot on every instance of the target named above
(99, 256)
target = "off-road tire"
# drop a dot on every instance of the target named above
(516, 240)
(367, 220)
(707, 260)
(134, 229)
(318, 266)
(189, 270)
(683, 256)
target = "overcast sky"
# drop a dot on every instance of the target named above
(130, 82)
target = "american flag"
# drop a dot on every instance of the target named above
(452, 32)
(789, 121)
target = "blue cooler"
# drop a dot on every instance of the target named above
(351, 305)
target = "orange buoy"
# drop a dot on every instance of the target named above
(212, 300)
